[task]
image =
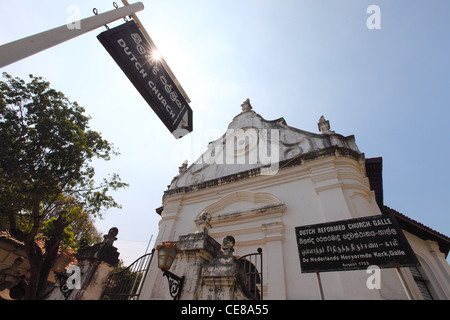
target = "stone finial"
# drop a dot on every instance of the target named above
(246, 106)
(110, 237)
(203, 222)
(103, 251)
(324, 126)
(183, 167)
(228, 245)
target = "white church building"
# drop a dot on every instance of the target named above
(261, 180)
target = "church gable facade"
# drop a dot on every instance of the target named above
(262, 179)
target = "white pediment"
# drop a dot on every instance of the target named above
(252, 142)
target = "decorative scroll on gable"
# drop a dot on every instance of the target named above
(252, 142)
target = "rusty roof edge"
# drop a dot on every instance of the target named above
(439, 237)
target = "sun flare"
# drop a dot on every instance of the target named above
(156, 55)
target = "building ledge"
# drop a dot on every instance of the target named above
(299, 160)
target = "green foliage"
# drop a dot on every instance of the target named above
(68, 237)
(47, 146)
(46, 178)
(123, 283)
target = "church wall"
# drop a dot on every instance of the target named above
(263, 211)
(316, 178)
(326, 189)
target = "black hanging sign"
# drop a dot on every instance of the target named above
(354, 244)
(134, 55)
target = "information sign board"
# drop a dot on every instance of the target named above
(132, 52)
(353, 244)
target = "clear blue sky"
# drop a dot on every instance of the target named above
(297, 59)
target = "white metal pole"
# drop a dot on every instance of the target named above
(319, 283)
(23, 48)
(148, 245)
(403, 282)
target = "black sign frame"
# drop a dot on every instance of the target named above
(354, 244)
(132, 52)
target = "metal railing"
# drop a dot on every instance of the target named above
(127, 284)
(252, 269)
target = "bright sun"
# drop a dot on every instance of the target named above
(156, 55)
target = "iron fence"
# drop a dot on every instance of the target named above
(252, 268)
(127, 284)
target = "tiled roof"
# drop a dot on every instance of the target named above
(4, 235)
(374, 173)
(419, 229)
(418, 224)
(40, 241)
